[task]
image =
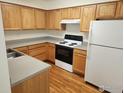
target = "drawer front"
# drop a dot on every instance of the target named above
(79, 51)
(37, 51)
(25, 52)
(51, 45)
(36, 46)
(22, 48)
(41, 56)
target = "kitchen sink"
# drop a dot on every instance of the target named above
(13, 54)
(10, 51)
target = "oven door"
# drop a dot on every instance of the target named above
(64, 54)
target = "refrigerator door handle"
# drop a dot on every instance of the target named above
(104, 46)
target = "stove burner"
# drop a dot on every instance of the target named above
(63, 42)
(72, 44)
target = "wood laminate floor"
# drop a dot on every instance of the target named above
(62, 81)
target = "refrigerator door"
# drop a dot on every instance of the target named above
(104, 68)
(107, 33)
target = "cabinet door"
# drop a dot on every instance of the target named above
(74, 13)
(57, 19)
(11, 16)
(37, 84)
(119, 10)
(65, 13)
(53, 19)
(79, 63)
(18, 88)
(50, 19)
(87, 15)
(106, 11)
(51, 52)
(28, 18)
(40, 19)
(71, 13)
(37, 51)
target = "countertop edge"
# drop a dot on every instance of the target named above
(31, 76)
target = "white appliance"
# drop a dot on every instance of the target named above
(69, 43)
(104, 66)
(4, 74)
(64, 51)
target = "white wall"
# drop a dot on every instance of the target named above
(4, 72)
(70, 29)
(53, 4)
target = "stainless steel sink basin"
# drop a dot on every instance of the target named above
(13, 54)
(10, 51)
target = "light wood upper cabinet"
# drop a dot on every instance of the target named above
(57, 20)
(50, 19)
(106, 11)
(28, 18)
(119, 10)
(87, 15)
(11, 16)
(71, 13)
(40, 19)
(65, 13)
(75, 12)
(53, 19)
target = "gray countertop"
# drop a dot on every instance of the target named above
(24, 67)
(31, 41)
(21, 68)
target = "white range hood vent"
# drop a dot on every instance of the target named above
(70, 21)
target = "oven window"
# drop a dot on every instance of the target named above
(64, 54)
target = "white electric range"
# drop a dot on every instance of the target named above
(64, 51)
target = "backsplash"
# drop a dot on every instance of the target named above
(70, 29)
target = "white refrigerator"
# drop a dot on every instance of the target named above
(104, 65)
(4, 72)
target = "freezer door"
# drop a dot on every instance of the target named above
(104, 68)
(107, 33)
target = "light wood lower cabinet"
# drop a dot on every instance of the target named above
(41, 56)
(51, 52)
(38, 51)
(36, 84)
(43, 51)
(79, 61)
(22, 49)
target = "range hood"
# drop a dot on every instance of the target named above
(70, 21)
